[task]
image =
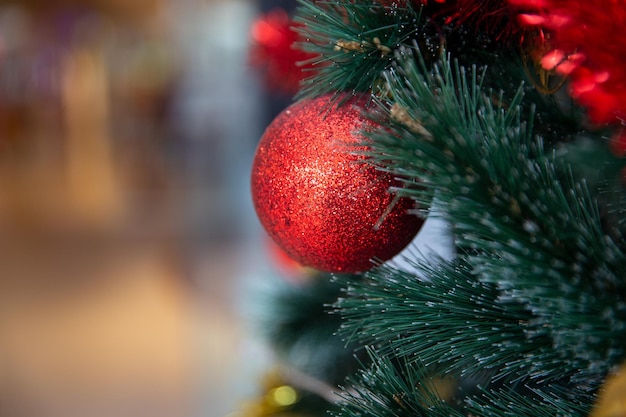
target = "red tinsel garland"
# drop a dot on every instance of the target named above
(587, 47)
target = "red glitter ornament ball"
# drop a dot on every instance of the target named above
(317, 199)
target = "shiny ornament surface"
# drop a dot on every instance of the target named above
(317, 199)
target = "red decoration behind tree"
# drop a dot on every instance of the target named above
(273, 51)
(588, 46)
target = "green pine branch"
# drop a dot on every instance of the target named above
(353, 42)
(536, 296)
(593, 160)
(386, 389)
(547, 403)
(526, 224)
(451, 322)
(533, 306)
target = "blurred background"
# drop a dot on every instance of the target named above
(128, 242)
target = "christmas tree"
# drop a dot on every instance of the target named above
(503, 119)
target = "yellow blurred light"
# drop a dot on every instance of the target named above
(283, 396)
